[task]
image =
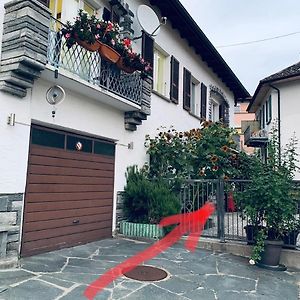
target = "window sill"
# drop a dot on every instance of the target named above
(195, 116)
(161, 96)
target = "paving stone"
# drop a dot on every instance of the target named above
(237, 269)
(83, 251)
(177, 285)
(33, 290)
(175, 268)
(44, 263)
(228, 295)
(206, 265)
(225, 283)
(80, 278)
(77, 293)
(92, 264)
(56, 281)
(111, 258)
(200, 293)
(193, 275)
(153, 292)
(10, 277)
(271, 286)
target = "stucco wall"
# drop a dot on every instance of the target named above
(290, 114)
(80, 112)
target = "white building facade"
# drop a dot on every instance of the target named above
(275, 103)
(61, 172)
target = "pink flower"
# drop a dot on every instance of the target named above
(68, 35)
(113, 42)
(98, 26)
(97, 36)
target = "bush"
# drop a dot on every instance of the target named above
(206, 152)
(147, 201)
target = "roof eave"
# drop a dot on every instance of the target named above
(205, 49)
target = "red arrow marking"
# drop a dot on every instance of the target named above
(192, 223)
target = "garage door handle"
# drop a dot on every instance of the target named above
(75, 221)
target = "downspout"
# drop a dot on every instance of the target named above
(279, 121)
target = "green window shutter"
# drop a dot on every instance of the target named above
(174, 86)
(203, 101)
(187, 77)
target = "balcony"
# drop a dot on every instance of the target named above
(253, 135)
(90, 67)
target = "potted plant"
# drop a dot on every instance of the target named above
(145, 203)
(105, 36)
(85, 31)
(268, 202)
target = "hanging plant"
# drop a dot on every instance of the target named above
(94, 34)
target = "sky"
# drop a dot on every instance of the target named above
(227, 22)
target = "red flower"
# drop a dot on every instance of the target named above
(127, 42)
(215, 168)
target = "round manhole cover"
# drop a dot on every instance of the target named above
(146, 273)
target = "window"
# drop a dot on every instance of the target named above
(174, 85)
(55, 7)
(88, 8)
(214, 116)
(159, 77)
(218, 109)
(187, 77)
(195, 99)
(203, 100)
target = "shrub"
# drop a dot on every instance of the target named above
(147, 201)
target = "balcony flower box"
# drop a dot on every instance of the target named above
(94, 34)
(90, 47)
(108, 53)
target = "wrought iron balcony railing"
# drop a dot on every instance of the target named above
(90, 67)
(255, 137)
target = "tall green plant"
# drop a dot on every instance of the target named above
(147, 201)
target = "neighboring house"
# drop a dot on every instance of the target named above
(276, 101)
(241, 115)
(61, 172)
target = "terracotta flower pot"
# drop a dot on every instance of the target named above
(108, 53)
(121, 66)
(90, 47)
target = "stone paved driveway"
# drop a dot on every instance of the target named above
(64, 274)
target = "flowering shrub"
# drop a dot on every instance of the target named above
(206, 152)
(90, 29)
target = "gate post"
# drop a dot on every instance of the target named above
(221, 210)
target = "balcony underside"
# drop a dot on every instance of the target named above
(257, 142)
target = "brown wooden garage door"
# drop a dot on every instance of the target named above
(69, 192)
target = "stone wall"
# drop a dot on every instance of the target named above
(10, 224)
(24, 45)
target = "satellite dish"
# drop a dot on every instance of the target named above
(55, 95)
(148, 19)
